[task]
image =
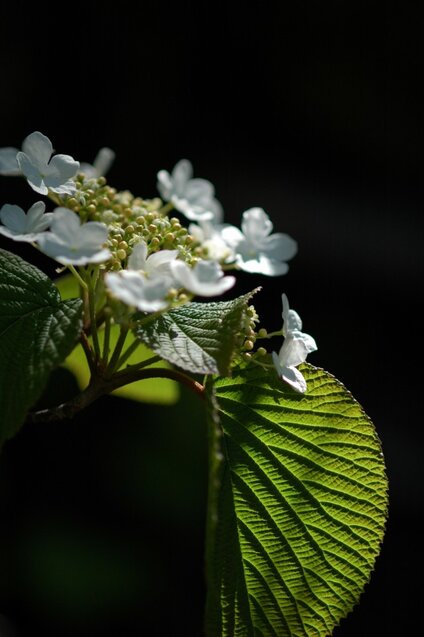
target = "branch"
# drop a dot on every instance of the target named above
(101, 387)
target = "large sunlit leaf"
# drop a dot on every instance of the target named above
(37, 331)
(198, 337)
(297, 514)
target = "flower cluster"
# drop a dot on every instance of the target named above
(253, 248)
(147, 261)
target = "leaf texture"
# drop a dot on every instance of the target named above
(37, 331)
(198, 337)
(301, 509)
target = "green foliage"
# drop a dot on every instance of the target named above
(164, 392)
(199, 337)
(150, 390)
(37, 331)
(298, 506)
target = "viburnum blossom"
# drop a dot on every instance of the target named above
(42, 171)
(296, 347)
(137, 290)
(195, 198)
(71, 243)
(206, 278)
(209, 235)
(256, 249)
(157, 263)
(101, 164)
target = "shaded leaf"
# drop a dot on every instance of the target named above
(37, 331)
(198, 337)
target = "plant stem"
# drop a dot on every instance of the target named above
(216, 469)
(88, 352)
(106, 340)
(78, 277)
(270, 334)
(117, 351)
(92, 309)
(132, 368)
(100, 387)
(125, 356)
(166, 208)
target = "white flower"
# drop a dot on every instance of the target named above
(146, 283)
(24, 227)
(209, 235)
(101, 164)
(195, 198)
(157, 263)
(35, 162)
(296, 347)
(257, 250)
(205, 279)
(136, 290)
(71, 243)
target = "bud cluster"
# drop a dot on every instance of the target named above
(129, 220)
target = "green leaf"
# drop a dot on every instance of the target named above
(162, 392)
(37, 331)
(299, 508)
(198, 337)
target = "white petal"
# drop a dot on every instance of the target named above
(14, 218)
(92, 235)
(69, 255)
(290, 375)
(183, 170)
(160, 261)
(232, 235)
(276, 361)
(164, 184)
(37, 221)
(137, 259)
(293, 352)
(256, 224)
(192, 211)
(291, 319)
(89, 171)
(65, 225)
(32, 173)
(218, 213)
(60, 170)
(294, 378)
(307, 340)
(262, 265)
(38, 147)
(205, 279)
(199, 189)
(133, 289)
(103, 161)
(30, 237)
(199, 232)
(8, 164)
(67, 188)
(279, 246)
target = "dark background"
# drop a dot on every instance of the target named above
(308, 109)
